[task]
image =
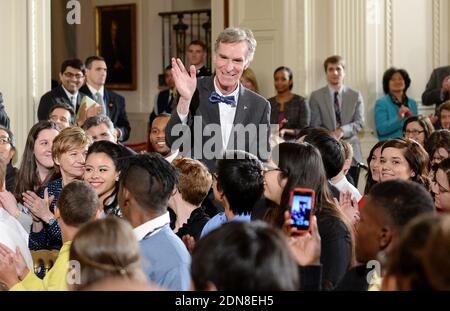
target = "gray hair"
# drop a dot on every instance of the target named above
(97, 120)
(231, 35)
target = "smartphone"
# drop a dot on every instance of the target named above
(301, 208)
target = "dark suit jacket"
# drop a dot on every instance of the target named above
(53, 97)
(115, 110)
(432, 94)
(203, 72)
(252, 109)
(296, 112)
(355, 279)
(4, 119)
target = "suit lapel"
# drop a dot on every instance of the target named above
(109, 103)
(212, 110)
(329, 107)
(241, 108)
(346, 106)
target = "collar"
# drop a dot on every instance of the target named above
(172, 157)
(235, 93)
(152, 225)
(101, 90)
(69, 95)
(332, 90)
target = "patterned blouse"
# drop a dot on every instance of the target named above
(50, 236)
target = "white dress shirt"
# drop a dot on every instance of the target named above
(152, 226)
(72, 97)
(227, 113)
(13, 235)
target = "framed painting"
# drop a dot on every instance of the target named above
(116, 42)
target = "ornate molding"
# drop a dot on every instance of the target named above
(389, 30)
(436, 33)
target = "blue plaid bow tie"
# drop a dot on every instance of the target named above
(216, 98)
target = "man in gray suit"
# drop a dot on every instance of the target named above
(438, 87)
(337, 107)
(217, 113)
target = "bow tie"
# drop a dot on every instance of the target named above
(216, 98)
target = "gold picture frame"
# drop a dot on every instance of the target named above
(116, 42)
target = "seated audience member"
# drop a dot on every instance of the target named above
(249, 81)
(101, 128)
(419, 261)
(4, 119)
(300, 165)
(392, 110)
(12, 234)
(251, 256)
(418, 128)
(340, 181)
(388, 208)
(72, 78)
(36, 169)
(194, 182)
(438, 146)
(157, 137)
(76, 206)
(69, 155)
(404, 159)
(438, 87)
(290, 111)
(331, 152)
(102, 171)
(441, 187)
(238, 185)
(146, 183)
(165, 100)
(444, 116)
(7, 152)
(114, 257)
(374, 173)
(63, 115)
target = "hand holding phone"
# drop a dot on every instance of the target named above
(301, 204)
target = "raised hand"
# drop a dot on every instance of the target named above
(37, 206)
(349, 206)
(185, 82)
(189, 241)
(305, 248)
(9, 203)
(8, 272)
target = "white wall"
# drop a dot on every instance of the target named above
(25, 61)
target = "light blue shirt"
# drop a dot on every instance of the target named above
(165, 259)
(219, 220)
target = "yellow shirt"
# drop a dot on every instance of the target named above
(54, 280)
(375, 284)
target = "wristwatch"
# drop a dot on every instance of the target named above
(51, 221)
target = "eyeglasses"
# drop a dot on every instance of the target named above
(269, 167)
(4, 141)
(70, 75)
(414, 132)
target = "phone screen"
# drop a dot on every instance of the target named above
(301, 210)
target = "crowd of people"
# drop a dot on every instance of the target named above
(213, 213)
